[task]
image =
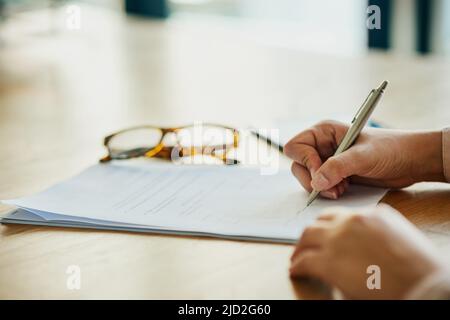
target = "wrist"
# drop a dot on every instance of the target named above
(427, 152)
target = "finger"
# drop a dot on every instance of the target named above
(346, 184)
(332, 193)
(337, 190)
(302, 149)
(335, 170)
(341, 187)
(312, 237)
(302, 175)
(307, 264)
(332, 213)
(327, 216)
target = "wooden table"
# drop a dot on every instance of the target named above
(61, 93)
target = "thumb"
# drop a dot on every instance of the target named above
(334, 170)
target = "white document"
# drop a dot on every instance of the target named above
(224, 201)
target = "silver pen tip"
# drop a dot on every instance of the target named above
(383, 85)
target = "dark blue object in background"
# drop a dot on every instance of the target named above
(380, 38)
(424, 15)
(147, 8)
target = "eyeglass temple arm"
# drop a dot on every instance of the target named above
(267, 140)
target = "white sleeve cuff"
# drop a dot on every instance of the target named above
(446, 153)
(433, 287)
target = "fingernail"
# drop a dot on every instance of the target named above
(319, 182)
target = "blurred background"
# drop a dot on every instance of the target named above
(408, 25)
(72, 72)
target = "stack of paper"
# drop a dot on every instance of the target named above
(220, 201)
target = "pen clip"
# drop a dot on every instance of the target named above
(363, 104)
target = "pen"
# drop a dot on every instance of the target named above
(358, 123)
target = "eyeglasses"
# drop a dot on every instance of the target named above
(172, 143)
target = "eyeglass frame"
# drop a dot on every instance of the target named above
(166, 152)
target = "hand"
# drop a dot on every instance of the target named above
(342, 243)
(380, 157)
